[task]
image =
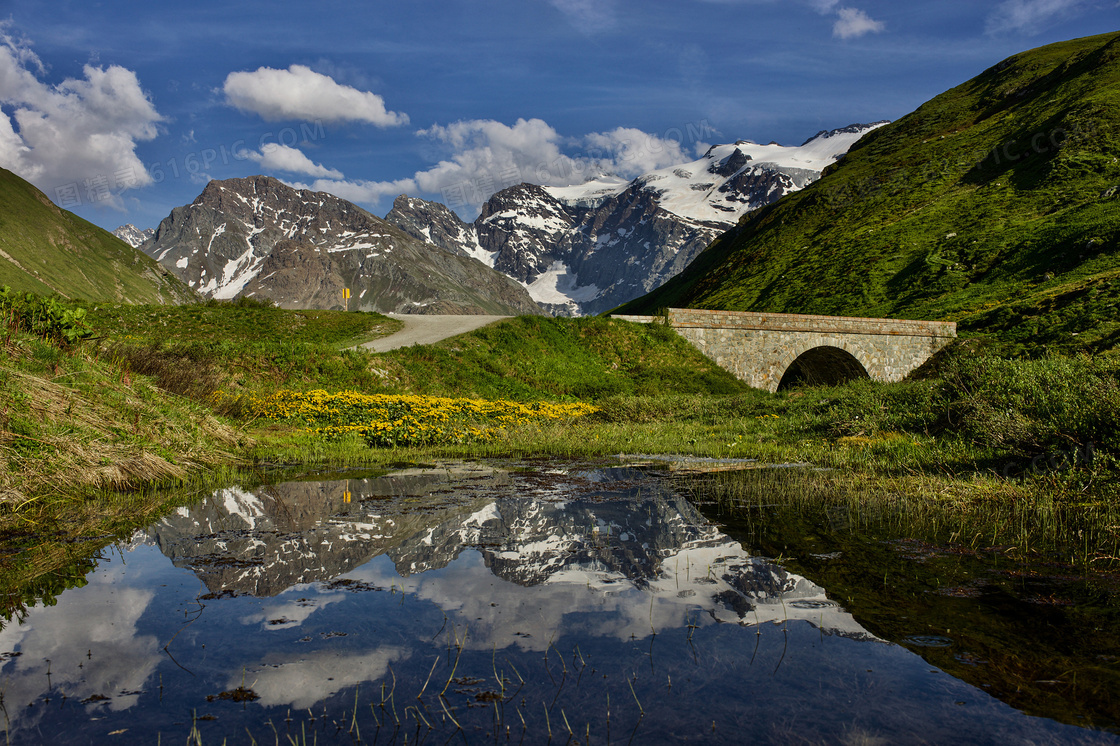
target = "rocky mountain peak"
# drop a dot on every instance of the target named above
(851, 129)
(729, 164)
(132, 235)
(587, 248)
(258, 236)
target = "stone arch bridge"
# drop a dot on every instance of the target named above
(772, 350)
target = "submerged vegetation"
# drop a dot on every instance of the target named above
(962, 583)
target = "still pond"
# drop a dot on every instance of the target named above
(551, 602)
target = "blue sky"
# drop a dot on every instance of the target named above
(121, 110)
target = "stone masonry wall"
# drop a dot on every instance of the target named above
(758, 348)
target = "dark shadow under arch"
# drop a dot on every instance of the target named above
(822, 366)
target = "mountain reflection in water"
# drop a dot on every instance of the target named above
(593, 604)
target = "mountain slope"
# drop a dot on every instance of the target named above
(260, 237)
(47, 250)
(584, 249)
(994, 205)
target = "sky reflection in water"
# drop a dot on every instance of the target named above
(594, 604)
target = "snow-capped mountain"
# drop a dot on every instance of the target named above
(132, 235)
(575, 534)
(259, 237)
(585, 249)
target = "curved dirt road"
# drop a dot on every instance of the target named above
(420, 329)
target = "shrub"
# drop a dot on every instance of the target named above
(46, 318)
(1035, 405)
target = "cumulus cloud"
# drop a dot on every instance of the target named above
(361, 192)
(631, 152)
(485, 156)
(850, 23)
(483, 149)
(278, 157)
(1029, 16)
(301, 93)
(76, 140)
(853, 23)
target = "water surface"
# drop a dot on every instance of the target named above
(508, 603)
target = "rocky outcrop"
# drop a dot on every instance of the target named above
(261, 238)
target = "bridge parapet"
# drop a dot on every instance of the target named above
(765, 349)
(794, 322)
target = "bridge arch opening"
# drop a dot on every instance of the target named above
(822, 366)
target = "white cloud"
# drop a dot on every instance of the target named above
(79, 136)
(301, 93)
(360, 192)
(487, 156)
(850, 23)
(484, 150)
(301, 681)
(854, 23)
(102, 617)
(1028, 16)
(278, 157)
(631, 152)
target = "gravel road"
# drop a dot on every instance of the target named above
(421, 329)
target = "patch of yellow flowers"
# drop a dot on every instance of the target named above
(403, 420)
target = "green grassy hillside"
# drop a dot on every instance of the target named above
(536, 357)
(996, 205)
(47, 250)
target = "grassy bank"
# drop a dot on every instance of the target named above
(125, 397)
(137, 404)
(72, 420)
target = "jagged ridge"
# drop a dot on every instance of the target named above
(259, 237)
(587, 248)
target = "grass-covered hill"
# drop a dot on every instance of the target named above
(49, 251)
(996, 205)
(534, 357)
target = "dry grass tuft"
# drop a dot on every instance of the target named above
(84, 425)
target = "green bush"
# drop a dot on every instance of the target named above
(865, 407)
(1033, 406)
(46, 318)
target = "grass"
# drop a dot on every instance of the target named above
(47, 250)
(71, 422)
(653, 393)
(532, 357)
(992, 205)
(242, 347)
(240, 323)
(135, 407)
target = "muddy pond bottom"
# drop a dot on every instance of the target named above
(470, 603)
